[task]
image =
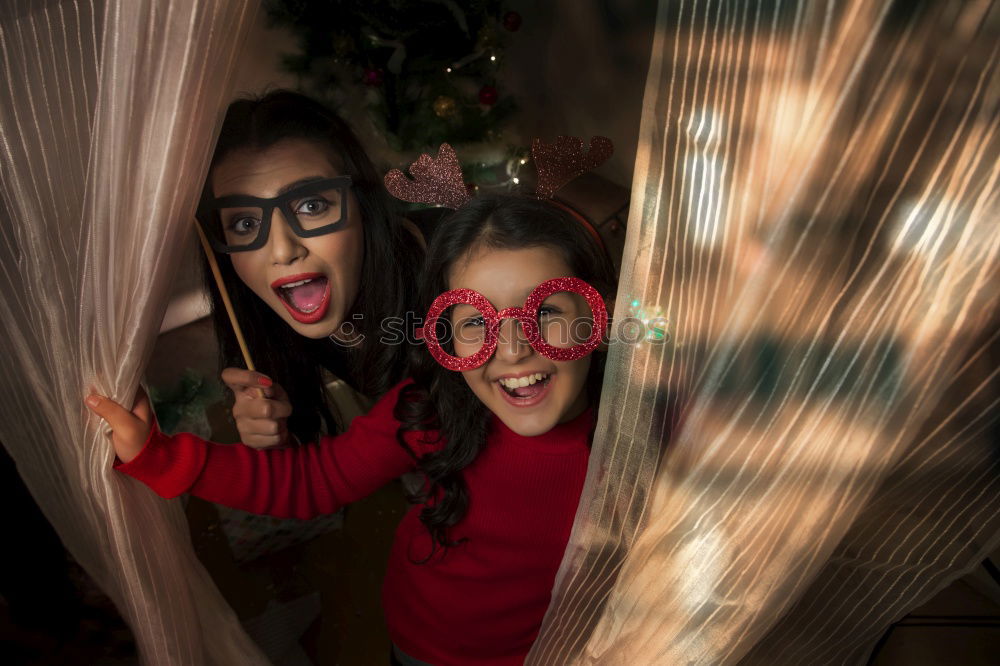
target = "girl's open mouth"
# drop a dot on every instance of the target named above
(306, 296)
(525, 391)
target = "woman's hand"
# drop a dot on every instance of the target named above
(129, 429)
(261, 409)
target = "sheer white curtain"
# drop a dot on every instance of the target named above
(809, 450)
(107, 121)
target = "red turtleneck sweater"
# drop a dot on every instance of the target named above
(480, 602)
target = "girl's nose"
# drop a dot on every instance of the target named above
(285, 247)
(512, 345)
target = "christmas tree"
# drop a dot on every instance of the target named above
(427, 70)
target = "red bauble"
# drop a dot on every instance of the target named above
(372, 76)
(488, 95)
(512, 21)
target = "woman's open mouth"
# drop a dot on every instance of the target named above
(526, 390)
(305, 296)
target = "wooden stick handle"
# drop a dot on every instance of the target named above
(214, 265)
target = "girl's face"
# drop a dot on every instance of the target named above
(505, 278)
(310, 282)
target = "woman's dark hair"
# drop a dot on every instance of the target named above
(439, 399)
(391, 262)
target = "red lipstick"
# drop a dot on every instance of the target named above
(283, 287)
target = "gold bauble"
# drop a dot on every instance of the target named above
(445, 107)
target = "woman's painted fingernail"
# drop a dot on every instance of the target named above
(92, 400)
(264, 381)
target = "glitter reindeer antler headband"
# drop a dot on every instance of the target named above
(438, 181)
(563, 160)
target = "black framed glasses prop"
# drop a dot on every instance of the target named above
(240, 223)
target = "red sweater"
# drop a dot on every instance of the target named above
(480, 602)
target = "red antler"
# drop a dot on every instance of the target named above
(563, 160)
(435, 181)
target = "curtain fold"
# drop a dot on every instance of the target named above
(797, 440)
(107, 122)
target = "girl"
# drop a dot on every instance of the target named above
(306, 285)
(498, 419)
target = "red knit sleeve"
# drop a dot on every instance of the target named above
(297, 482)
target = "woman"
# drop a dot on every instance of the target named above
(314, 261)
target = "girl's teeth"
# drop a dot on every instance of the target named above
(296, 284)
(520, 382)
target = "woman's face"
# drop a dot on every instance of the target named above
(310, 282)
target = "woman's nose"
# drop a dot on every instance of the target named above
(284, 245)
(512, 345)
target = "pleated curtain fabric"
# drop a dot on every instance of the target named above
(107, 121)
(797, 437)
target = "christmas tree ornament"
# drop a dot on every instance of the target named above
(512, 21)
(488, 95)
(445, 107)
(372, 76)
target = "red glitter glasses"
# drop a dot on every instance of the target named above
(479, 331)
